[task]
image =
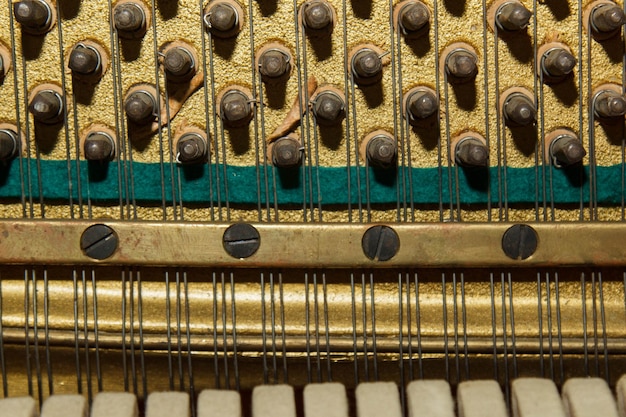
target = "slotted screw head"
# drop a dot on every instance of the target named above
(241, 240)
(99, 146)
(129, 18)
(317, 15)
(191, 149)
(223, 17)
(607, 18)
(610, 104)
(461, 64)
(84, 60)
(328, 108)
(567, 150)
(380, 243)
(520, 242)
(519, 110)
(381, 151)
(421, 105)
(413, 17)
(367, 64)
(274, 64)
(471, 152)
(33, 15)
(99, 241)
(513, 16)
(8, 144)
(558, 63)
(140, 107)
(286, 153)
(46, 107)
(178, 63)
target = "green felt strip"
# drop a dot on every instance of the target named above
(327, 185)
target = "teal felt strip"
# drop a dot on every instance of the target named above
(151, 183)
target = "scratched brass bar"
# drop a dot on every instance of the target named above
(309, 245)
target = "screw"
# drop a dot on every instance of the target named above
(519, 242)
(558, 62)
(129, 19)
(99, 146)
(35, 16)
(519, 110)
(273, 64)
(471, 152)
(609, 104)
(191, 148)
(221, 18)
(46, 107)
(380, 243)
(607, 18)
(367, 66)
(381, 151)
(8, 145)
(99, 241)
(140, 107)
(179, 63)
(461, 64)
(512, 16)
(413, 17)
(84, 60)
(317, 15)
(421, 105)
(286, 153)
(241, 240)
(566, 150)
(328, 108)
(235, 108)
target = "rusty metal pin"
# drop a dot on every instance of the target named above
(35, 16)
(519, 110)
(46, 107)
(558, 62)
(607, 18)
(566, 150)
(222, 18)
(235, 108)
(140, 107)
(328, 108)
(99, 146)
(461, 64)
(178, 63)
(609, 104)
(9, 145)
(84, 60)
(413, 17)
(367, 66)
(286, 152)
(421, 105)
(317, 15)
(191, 148)
(513, 16)
(381, 151)
(129, 18)
(471, 152)
(274, 64)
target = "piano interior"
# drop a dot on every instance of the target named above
(244, 195)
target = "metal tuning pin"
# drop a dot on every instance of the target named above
(191, 148)
(382, 151)
(461, 66)
(566, 150)
(413, 19)
(179, 64)
(221, 18)
(512, 16)
(9, 145)
(84, 60)
(274, 65)
(99, 146)
(35, 16)
(287, 152)
(609, 105)
(317, 18)
(421, 104)
(367, 67)
(235, 108)
(471, 152)
(141, 107)
(328, 108)
(46, 107)
(129, 20)
(606, 20)
(557, 63)
(519, 110)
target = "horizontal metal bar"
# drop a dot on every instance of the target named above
(314, 245)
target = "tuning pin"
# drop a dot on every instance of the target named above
(328, 108)
(235, 108)
(129, 20)
(609, 105)
(421, 104)
(557, 63)
(179, 64)
(222, 19)
(84, 60)
(9, 144)
(191, 149)
(512, 16)
(566, 150)
(381, 151)
(274, 65)
(140, 107)
(286, 152)
(35, 16)
(413, 19)
(47, 107)
(519, 110)
(471, 152)
(461, 65)
(317, 18)
(606, 19)
(99, 146)
(367, 67)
